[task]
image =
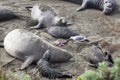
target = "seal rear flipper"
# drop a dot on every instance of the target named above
(45, 69)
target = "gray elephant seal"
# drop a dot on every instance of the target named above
(65, 33)
(46, 18)
(61, 32)
(107, 6)
(6, 14)
(31, 48)
(96, 55)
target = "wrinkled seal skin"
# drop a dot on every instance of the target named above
(107, 6)
(96, 55)
(31, 48)
(61, 32)
(6, 14)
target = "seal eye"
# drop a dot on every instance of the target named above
(106, 2)
(112, 3)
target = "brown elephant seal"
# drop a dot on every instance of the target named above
(46, 18)
(96, 55)
(31, 48)
(107, 6)
(6, 14)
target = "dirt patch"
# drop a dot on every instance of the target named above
(90, 22)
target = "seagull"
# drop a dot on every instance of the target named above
(79, 38)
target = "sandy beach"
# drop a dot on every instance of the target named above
(90, 22)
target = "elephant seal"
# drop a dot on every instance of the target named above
(6, 14)
(61, 32)
(65, 33)
(96, 55)
(46, 18)
(107, 6)
(29, 47)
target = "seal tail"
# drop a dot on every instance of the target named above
(45, 69)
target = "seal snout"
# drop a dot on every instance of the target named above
(109, 6)
(67, 56)
(70, 56)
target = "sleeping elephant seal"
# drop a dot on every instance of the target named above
(31, 48)
(96, 55)
(65, 33)
(6, 14)
(61, 32)
(46, 18)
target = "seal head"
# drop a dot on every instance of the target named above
(108, 6)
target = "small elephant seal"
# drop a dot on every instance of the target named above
(61, 32)
(96, 55)
(65, 33)
(6, 14)
(107, 6)
(46, 18)
(31, 48)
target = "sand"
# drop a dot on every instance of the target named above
(91, 23)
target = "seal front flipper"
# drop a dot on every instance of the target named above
(83, 6)
(38, 26)
(29, 8)
(44, 68)
(28, 61)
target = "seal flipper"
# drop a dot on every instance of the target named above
(46, 71)
(83, 6)
(38, 26)
(28, 61)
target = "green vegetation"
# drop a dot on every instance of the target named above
(18, 76)
(1, 76)
(103, 72)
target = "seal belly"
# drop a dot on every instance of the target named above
(21, 45)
